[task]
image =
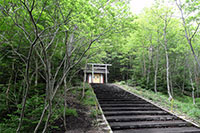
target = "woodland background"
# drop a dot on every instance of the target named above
(45, 44)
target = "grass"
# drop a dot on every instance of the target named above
(181, 105)
(90, 101)
(89, 98)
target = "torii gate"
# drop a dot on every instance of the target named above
(99, 70)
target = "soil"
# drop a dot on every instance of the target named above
(83, 123)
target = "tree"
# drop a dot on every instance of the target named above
(190, 7)
(56, 35)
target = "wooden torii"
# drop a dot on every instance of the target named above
(96, 66)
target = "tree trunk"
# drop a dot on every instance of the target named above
(156, 70)
(187, 35)
(167, 58)
(83, 91)
(171, 85)
(193, 89)
(183, 85)
(65, 105)
(149, 67)
(196, 80)
(36, 72)
(144, 63)
(167, 73)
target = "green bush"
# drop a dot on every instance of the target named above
(122, 82)
(71, 111)
(131, 82)
(32, 113)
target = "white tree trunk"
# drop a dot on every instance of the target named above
(156, 70)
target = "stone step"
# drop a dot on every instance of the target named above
(111, 113)
(127, 105)
(148, 124)
(131, 109)
(129, 118)
(161, 130)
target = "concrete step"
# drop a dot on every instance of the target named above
(161, 130)
(148, 124)
(129, 118)
(127, 105)
(133, 99)
(128, 113)
(123, 102)
(117, 113)
(131, 109)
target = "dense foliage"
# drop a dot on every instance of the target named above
(157, 46)
(45, 44)
(160, 52)
(42, 46)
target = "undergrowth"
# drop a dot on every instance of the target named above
(71, 111)
(35, 106)
(181, 105)
(90, 100)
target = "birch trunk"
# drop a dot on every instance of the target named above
(156, 71)
(149, 67)
(167, 57)
(187, 35)
(193, 89)
(167, 72)
(144, 63)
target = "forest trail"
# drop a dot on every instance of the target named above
(127, 113)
